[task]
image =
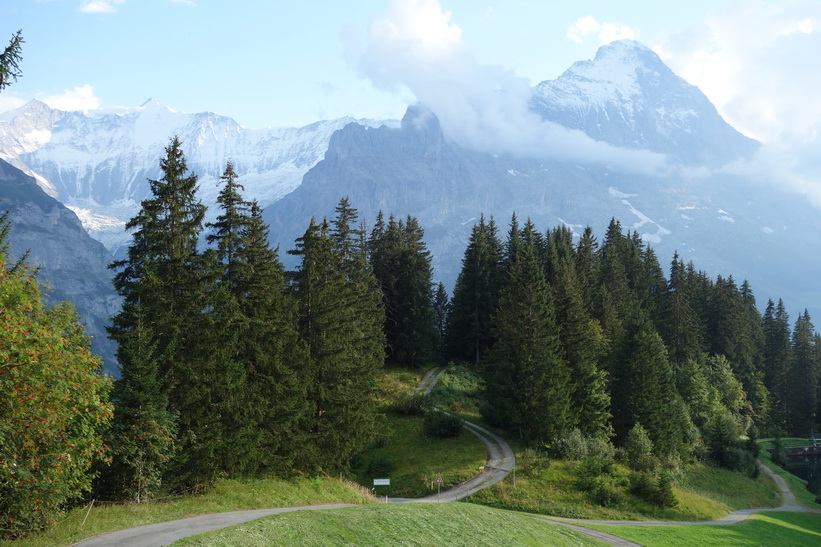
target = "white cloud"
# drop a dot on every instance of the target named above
(189, 3)
(413, 44)
(758, 62)
(606, 32)
(10, 102)
(99, 6)
(79, 98)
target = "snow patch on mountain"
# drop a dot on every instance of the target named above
(644, 222)
(98, 162)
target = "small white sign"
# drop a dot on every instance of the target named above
(381, 482)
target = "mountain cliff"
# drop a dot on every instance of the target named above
(72, 263)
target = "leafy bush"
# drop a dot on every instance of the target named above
(531, 461)
(414, 404)
(441, 425)
(637, 453)
(576, 446)
(605, 492)
(590, 469)
(654, 487)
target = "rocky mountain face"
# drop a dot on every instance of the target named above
(72, 263)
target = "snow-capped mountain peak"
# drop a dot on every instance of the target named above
(628, 97)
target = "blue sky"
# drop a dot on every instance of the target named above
(273, 62)
(276, 63)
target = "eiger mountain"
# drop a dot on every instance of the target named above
(97, 164)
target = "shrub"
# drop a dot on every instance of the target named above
(605, 492)
(441, 425)
(654, 487)
(590, 469)
(576, 446)
(531, 461)
(414, 404)
(638, 450)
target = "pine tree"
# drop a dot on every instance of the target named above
(527, 380)
(582, 340)
(680, 325)
(803, 378)
(341, 320)
(777, 358)
(402, 266)
(166, 279)
(441, 305)
(643, 390)
(142, 435)
(475, 295)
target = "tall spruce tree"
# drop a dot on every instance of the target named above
(803, 379)
(255, 344)
(643, 390)
(402, 266)
(341, 320)
(475, 295)
(582, 340)
(164, 279)
(526, 378)
(777, 358)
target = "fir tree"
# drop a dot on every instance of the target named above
(527, 380)
(803, 378)
(777, 358)
(402, 266)
(475, 295)
(341, 320)
(644, 392)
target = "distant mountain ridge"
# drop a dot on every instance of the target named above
(97, 164)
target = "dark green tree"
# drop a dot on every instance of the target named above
(10, 60)
(526, 378)
(777, 358)
(167, 281)
(643, 391)
(402, 266)
(341, 320)
(803, 379)
(475, 295)
(582, 340)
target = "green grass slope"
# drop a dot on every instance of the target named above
(771, 528)
(452, 524)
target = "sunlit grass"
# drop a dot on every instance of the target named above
(225, 496)
(771, 528)
(452, 524)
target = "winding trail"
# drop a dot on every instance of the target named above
(501, 461)
(788, 503)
